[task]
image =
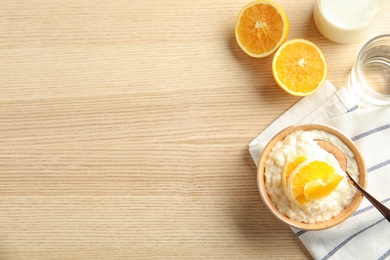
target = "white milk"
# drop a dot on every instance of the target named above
(345, 21)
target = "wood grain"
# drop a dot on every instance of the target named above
(124, 128)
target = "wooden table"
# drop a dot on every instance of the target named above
(124, 129)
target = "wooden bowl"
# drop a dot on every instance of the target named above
(344, 214)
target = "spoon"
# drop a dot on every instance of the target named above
(340, 156)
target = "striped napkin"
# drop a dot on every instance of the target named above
(366, 234)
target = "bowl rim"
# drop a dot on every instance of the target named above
(346, 212)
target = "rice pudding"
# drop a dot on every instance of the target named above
(300, 150)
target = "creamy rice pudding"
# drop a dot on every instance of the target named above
(279, 181)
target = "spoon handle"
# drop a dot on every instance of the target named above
(380, 206)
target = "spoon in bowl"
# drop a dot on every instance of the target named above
(340, 156)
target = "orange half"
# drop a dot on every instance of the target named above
(261, 27)
(299, 67)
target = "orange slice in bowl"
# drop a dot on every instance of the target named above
(314, 180)
(319, 189)
(261, 27)
(299, 67)
(289, 168)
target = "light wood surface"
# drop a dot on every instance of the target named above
(124, 130)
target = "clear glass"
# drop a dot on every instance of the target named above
(369, 79)
(346, 21)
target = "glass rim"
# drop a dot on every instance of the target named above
(367, 44)
(359, 63)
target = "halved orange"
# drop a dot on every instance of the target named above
(299, 67)
(261, 27)
(314, 180)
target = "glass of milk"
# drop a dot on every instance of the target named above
(369, 80)
(345, 21)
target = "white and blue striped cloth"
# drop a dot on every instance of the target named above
(366, 234)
